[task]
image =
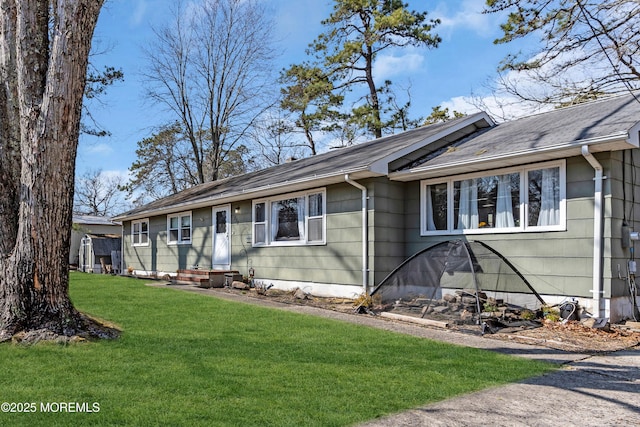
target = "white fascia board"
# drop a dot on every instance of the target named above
(253, 193)
(381, 166)
(614, 142)
(634, 135)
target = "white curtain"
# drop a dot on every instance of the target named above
(549, 203)
(468, 207)
(315, 205)
(504, 208)
(275, 210)
(301, 217)
(431, 225)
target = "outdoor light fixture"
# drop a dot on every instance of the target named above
(237, 210)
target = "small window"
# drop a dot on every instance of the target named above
(140, 232)
(221, 222)
(259, 224)
(544, 197)
(287, 220)
(487, 202)
(436, 207)
(185, 228)
(179, 228)
(316, 218)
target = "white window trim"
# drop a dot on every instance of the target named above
(268, 201)
(133, 235)
(524, 206)
(179, 216)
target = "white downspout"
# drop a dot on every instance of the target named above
(122, 250)
(597, 230)
(365, 233)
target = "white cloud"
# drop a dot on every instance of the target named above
(499, 107)
(466, 14)
(387, 66)
(99, 149)
(461, 104)
(139, 12)
(116, 174)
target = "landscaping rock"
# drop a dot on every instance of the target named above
(455, 307)
(466, 315)
(467, 300)
(440, 309)
(450, 298)
(239, 285)
(597, 323)
(300, 294)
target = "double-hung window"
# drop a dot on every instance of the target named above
(179, 228)
(530, 198)
(140, 232)
(294, 219)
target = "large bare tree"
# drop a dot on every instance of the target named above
(98, 193)
(44, 46)
(211, 69)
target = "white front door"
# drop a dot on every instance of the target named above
(222, 237)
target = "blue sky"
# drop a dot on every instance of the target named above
(465, 61)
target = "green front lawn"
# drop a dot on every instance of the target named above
(186, 359)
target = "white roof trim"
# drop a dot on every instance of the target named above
(618, 141)
(252, 193)
(634, 135)
(381, 166)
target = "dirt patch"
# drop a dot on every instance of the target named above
(575, 337)
(570, 336)
(91, 328)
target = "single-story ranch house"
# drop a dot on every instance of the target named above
(554, 192)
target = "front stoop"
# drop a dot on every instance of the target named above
(203, 278)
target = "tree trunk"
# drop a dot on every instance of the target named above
(375, 121)
(43, 84)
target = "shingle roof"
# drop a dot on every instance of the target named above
(361, 160)
(93, 220)
(457, 146)
(556, 131)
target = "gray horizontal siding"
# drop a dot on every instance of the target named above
(553, 262)
(388, 228)
(158, 256)
(339, 261)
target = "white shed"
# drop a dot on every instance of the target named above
(100, 253)
(89, 224)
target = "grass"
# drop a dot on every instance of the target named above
(189, 360)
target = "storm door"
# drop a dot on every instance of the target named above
(222, 237)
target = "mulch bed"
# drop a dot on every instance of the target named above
(570, 336)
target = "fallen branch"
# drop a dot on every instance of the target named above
(420, 321)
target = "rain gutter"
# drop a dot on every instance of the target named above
(243, 194)
(365, 233)
(597, 230)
